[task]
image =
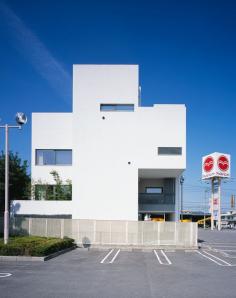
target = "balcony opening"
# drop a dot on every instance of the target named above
(156, 199)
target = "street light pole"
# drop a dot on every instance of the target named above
(21, 119)
(6, 212)
(181, 204)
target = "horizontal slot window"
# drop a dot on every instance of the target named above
(154, 190)
(116, 107)
(53, 157)
(169, 150)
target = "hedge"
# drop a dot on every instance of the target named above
(34, 246)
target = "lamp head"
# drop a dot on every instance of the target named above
(21, 118)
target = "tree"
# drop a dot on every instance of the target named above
(42, 190)
(19, 179)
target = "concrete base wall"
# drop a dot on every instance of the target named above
(101, 232)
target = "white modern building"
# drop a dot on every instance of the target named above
(125, 160)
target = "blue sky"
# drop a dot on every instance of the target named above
(185, 49)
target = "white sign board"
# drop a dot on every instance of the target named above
(216, 165)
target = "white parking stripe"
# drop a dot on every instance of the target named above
(114, 257)
(159, 259)
(223, 261)
(168, 261)
(213, 259)
(5, 274)
(227, 255)
(103, 260)
(231, 250)
(208, 258)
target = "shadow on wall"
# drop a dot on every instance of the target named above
(17, 223)
(14, 208)
(86, 242)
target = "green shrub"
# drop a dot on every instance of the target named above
(34, 246)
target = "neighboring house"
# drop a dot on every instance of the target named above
(124, 159)
(229, 219)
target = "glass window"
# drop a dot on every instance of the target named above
(116, 107)
(53, 157)
(169, 150)
(154, 190)
(63, 157)
(45, 157)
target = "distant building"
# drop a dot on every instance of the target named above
(124, 159)
(229, 218)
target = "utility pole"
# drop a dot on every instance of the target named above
(219, 203)
(205, 200)
(181, 205)
(232, 202)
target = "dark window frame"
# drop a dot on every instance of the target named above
(170, 151)
(111, 107)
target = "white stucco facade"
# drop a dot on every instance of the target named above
(115, 154)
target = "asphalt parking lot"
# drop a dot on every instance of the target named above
(208, 272)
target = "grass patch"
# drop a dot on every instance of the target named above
(34, 246)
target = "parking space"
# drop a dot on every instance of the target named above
(220, 245)
(118, 273)
(168, 257)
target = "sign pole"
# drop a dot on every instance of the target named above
(212, 201)
(219, 204)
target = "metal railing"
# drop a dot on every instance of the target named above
(145, 198)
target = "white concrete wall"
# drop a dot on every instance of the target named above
(107, 186)
(41, 207)
(51, 131)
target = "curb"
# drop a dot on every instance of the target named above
(35, 259)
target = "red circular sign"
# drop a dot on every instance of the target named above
(223, 163)
(208, 164)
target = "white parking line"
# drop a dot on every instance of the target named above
(223, 261)
(165, 256)
(5, 274)
(168, 261)
(214, 259)
(227, 255)
(103, 260)
(113, 259)
(159, 260)
(231, 250)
